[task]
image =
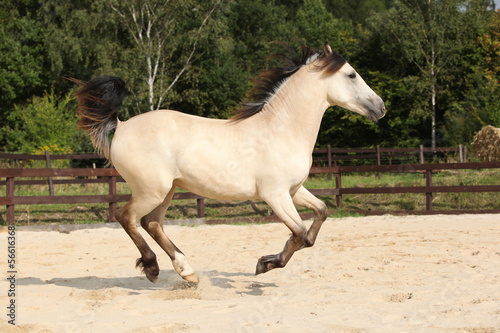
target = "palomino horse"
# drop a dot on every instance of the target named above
(264, 152)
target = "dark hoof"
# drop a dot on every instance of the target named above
(152, 270)
(266, 263)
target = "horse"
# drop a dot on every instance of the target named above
(263, 152)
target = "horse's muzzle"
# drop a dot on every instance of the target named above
(377, 111)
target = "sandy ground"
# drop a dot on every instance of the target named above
(370, 274)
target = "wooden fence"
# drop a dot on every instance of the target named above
(327, 156)
(332, 156)
(111, 177)
(428, 189)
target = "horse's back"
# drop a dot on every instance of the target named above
(195, 153)
(157, 130)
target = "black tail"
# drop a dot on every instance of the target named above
(98, 102)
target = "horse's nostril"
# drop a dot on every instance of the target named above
(383, 113)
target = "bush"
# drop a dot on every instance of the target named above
(46, 122)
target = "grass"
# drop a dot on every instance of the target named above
(408, 201)
(215, 209)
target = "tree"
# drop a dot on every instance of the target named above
(21, 53)
(81, 39)
(429, 36)
(316, 26)
(475, 100)
(234, 51)
(356, 12)
(152, 24)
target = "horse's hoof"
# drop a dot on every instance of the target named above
(152, 270)
(152, 278)
(191, 278)
(266, 263)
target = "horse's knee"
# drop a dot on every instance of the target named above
(322, 212)
(309, 241)
(299, 241)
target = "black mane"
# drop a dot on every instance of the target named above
(267, 82)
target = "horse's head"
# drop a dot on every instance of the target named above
(346, 88)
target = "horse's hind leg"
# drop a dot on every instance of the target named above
(128, 216)
(153, 224)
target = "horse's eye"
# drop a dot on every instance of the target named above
(352, 76)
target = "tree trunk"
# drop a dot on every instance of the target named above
(433, 94)
(433, 115)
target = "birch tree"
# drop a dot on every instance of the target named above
(152, 24)
(429, 35)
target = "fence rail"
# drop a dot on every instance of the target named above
(111, 176)
(428, 189)
(330, 156)
(327, 154)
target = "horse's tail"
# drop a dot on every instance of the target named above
(98, 102)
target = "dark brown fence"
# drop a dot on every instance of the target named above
(110, 176)
(378, 155)
(327, 156)
(428, 189)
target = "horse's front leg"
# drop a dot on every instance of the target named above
(304, 198)
(284, 208)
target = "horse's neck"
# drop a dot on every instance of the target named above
(296, 109)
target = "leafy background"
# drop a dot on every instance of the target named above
(431, 61)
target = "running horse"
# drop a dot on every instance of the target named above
(263, 152)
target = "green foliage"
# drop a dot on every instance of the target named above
(356, 11)
(235, 50)
(46, 123)
(474, 101)
(82, 40)
(210, 60)
(431, 47)
(317, 26)
(21, 54)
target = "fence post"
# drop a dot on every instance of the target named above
(200, 205)
(338, 186)
(9, 214)
(460, 153)
(329, 152)
(112, 205)
(428, 195)
(47, 162)
(378, 160)
(422, 154)
(465, 153)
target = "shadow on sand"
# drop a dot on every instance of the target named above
(169, 280)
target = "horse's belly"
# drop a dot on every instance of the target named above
(218, 188)
(217, 169)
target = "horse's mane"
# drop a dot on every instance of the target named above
(268, 81)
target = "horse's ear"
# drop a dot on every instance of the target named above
(327, 49)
